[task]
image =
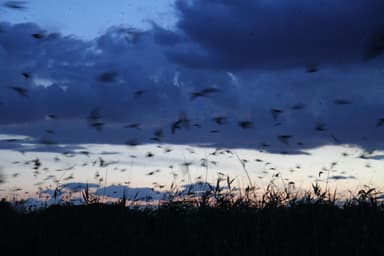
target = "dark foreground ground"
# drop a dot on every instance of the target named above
(185, 229)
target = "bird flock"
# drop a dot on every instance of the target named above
(96, 120)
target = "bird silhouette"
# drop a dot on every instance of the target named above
(219, 120)
(38, 36)
(94, 119)
(204, 92)
(26, 75)
(276, 112)
(375, 46)
(245, 124)
(20, 90)
(138, 93)
(107, 77)
(342, 101)
(183, 121)
(284, 138)
(298, 106)
(311, 68)
(134, 126)
(380, 122)
(17, 5)
(320, 127)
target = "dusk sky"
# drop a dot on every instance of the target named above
(302, 81)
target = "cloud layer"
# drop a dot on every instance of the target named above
(297, 69)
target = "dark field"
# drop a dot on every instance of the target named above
(312, 225)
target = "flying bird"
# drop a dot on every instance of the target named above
(37, 36)
(320, 127)
(311, 68)
(380, 122)
(183, 121)
(134, 126)
(26, 75)
(245, 124)
(204, 92)
(137, 94)
(219, 120)
(275, 113)
(17, 5)
(94, 119)
(375, 46)
(298, 106)
(107, 77)
(284, 138)
(342, 101)
(20, 90)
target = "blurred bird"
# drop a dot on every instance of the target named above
(320, 127)
(134, 126)
(219, 120)
(311, 68)
(375, 46)
(284, 138)
(157, 135)
(20, 90)
(342, 101)
(204, 92)
(132, 142)
(26, 75)
(245, 124)
(183, 121)
(17, 5)
(51, 116)
(380, 122)
(94, 119)
(276, 112)
(37, 36)
(298, 106)
(107, 77)
(137, 94)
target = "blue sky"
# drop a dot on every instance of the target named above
(278, 76)
(87, 20)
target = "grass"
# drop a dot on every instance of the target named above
(217, 222)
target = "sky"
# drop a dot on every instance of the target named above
(282, 77)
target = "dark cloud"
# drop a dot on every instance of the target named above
(262, 34)
(253, 52)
